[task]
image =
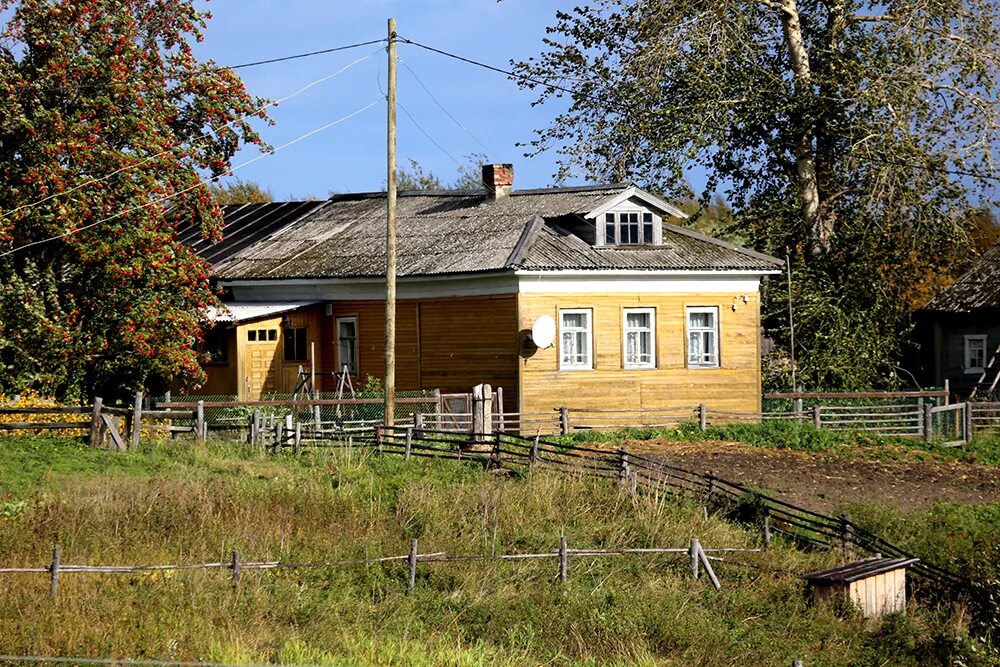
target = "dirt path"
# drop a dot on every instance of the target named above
(822, 482)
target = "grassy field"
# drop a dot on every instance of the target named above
(176, 503)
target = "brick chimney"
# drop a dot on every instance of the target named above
(498, 179)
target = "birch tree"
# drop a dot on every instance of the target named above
(857, 135)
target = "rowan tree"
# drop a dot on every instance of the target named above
(856, 134)
(108, 123)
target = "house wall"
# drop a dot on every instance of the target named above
(949, 349)
(734, 386)
(449, 344)
(257, 368)
(222, 376)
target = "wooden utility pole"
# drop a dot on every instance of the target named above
(390, 240)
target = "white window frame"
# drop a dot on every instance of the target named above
(601, 230)
(587, 330)
(969, 338)
(357, 347)
(714, 311)
(652, 338)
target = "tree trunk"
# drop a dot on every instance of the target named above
(818, 227)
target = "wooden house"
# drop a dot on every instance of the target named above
(876, 586)
(645, 313)
(961, 331)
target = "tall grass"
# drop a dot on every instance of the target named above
(171, 503)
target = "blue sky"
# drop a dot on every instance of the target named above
(350, 157)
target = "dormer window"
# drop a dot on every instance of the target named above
(628, 228)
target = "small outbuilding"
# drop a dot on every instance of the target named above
(876, 585)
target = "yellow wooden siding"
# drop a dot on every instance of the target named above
(734, 387)
(880, 594)
(221, 378)
(449, 344)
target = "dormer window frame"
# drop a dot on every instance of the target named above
(621, 218)
(631, 200)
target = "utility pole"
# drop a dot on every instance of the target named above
(390, 239)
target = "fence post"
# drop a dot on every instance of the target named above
(409, 444)
(199, 425)
(767, 530)
(298, 438)
(798, 663)
(317, 417)
(817, 419)
(54, 570)
(693, 553)
(845, 532)
(418, 420)
(708, 568)
(378, 439)
(496, 456)
(797, 405)
(564, 421)
(563, 559)
(968, 421)
(95, 423)
(928, 422)
(137, 419)
(411, 560)
(236, 568)
(623, 467)
(533, 452)
(255, 435)
(703, 416)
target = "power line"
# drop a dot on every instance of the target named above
(228, 172)
(577, 93)
(138, 164)
(446, 112)
(426, 134)
(223, 68)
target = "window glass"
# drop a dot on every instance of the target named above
(347, 344)
(252, 335)
(609, 228)
(647, 227)
(703, 337)
(629, 228)
(640, 339)
(975, 353)
(575, 339)
(295, 344)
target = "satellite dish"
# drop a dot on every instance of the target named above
(543, 332)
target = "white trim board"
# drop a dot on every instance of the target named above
(525, 282)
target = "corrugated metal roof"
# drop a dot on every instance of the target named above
(244, 311)
(244, 225)
(978, 288)
(462, 232)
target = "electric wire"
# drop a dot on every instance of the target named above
(228, 172)
(426, 134)
(443, 109)
(579, 94)
(147, 159)
(223, 68)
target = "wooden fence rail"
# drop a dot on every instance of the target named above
(640, 473)
(236, 565)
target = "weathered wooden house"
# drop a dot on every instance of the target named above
(645, 313)
(962, 330)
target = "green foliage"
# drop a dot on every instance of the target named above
(418, 178)
(180, 503)
(238, 191)
(108, 301)
(831, 137)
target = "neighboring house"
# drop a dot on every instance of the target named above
(646, 314)
(962, 330)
